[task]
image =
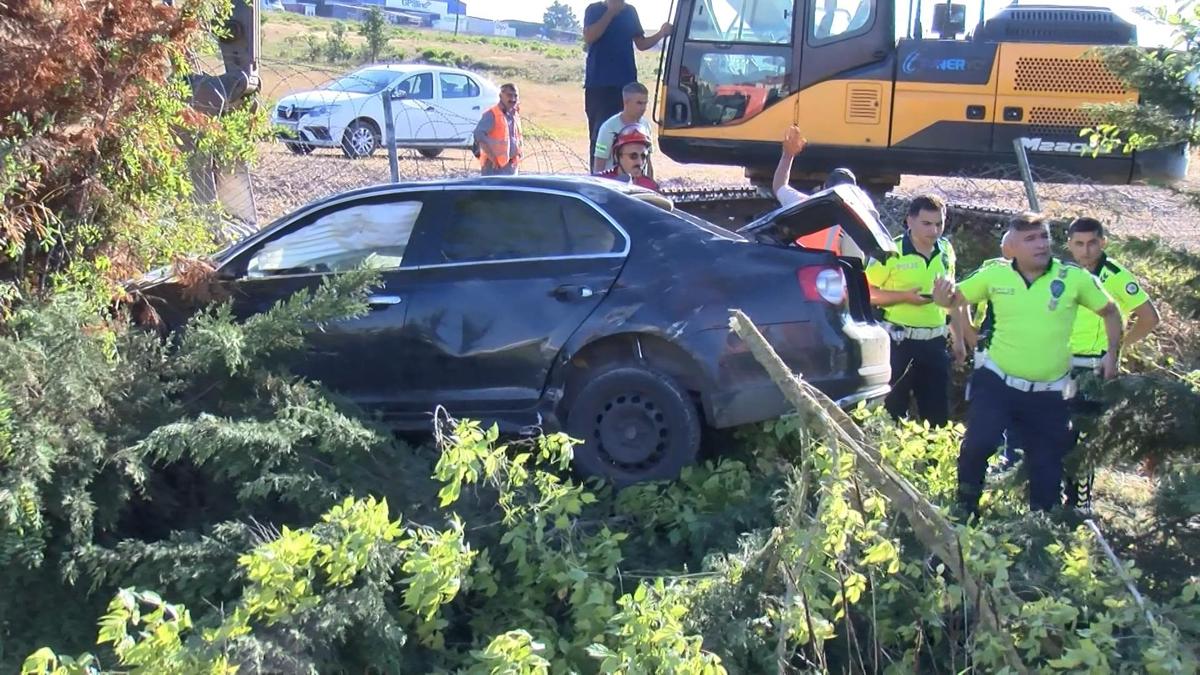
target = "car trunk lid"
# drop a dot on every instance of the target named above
(844, 205)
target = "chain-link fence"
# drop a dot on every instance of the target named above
(337, 128)
(333, 128)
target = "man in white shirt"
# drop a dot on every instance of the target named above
(833, 238)
(636, 98)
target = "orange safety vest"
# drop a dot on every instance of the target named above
(499, 137)
(827, 239)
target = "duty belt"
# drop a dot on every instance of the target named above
(899, 332)
(1063, 384)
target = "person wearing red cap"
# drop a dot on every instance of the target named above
(630, 151)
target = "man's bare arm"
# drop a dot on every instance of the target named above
(1113, 330)
(885, 298)
(649, 41)
(596, 31)
(1145, 320)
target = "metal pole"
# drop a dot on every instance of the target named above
(1026, 174)
(389, 127)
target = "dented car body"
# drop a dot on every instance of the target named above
(569, 303)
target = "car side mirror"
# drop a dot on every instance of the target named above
(398, 94)
(949, 19)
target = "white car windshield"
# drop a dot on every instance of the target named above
(364, 81)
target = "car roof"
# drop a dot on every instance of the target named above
(414, 67)
(567, 183)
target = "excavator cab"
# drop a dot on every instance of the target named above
(884, 102)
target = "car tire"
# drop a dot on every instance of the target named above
(300, 148)
(361, 139)
(635, 425)
(431, 153)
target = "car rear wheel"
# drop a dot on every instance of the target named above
(636, 425)
(360, 140)
(300, 148)
(430, 152)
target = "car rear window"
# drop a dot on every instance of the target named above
(492, 225)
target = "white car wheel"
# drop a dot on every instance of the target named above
(360, 140)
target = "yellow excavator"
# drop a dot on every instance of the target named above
(947, 102)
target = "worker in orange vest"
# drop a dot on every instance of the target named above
(830, 238)
(498, 135)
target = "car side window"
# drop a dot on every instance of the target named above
(513, 225)
(455, 85)
(418, 87)
(375, 234)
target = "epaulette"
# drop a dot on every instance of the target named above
(1112, 267)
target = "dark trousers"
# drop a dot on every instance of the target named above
(1079, 491)
(920, 368)
(1042, 420)
(600, 103)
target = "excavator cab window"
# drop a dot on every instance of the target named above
(753, 21)
(833, 20)
(737, 59)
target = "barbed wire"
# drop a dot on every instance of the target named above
(284, 180)
(434, 137)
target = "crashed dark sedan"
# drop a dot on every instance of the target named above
(569, 304)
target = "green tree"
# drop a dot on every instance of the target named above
(560, 16)
(336, 47)
(1165, 113)
(374, 31)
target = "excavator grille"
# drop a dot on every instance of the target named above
(1054, 121)
(1070, 76)
(862, 104)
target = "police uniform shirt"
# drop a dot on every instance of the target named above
(1089, 338)
(911, 270)
(1033, 321)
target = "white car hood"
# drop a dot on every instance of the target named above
(318, 97)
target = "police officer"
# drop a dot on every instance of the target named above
(1086, 243)
(1024, 380)
(902, 286)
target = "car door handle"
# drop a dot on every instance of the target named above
(569, 292)
(383, 300)
(429, 109)
(475, 108)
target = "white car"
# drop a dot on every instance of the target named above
(433, 108)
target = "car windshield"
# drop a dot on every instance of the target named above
(364, 81)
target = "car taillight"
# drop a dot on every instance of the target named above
(822, 283)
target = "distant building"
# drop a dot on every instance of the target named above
(350, 11)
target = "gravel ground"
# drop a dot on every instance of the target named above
(284, 181)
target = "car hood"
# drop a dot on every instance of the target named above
(318, 97)
(844, 205)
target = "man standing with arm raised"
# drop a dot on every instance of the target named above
(611, 29)
(1023, 381)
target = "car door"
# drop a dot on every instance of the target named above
(505, 279)
(413, 108)
(361, 357)
(460, 105)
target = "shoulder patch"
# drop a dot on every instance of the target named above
(1132, 288)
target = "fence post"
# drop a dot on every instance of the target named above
(389, 132)
(1026, 174)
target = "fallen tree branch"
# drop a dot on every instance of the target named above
(931, 528)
